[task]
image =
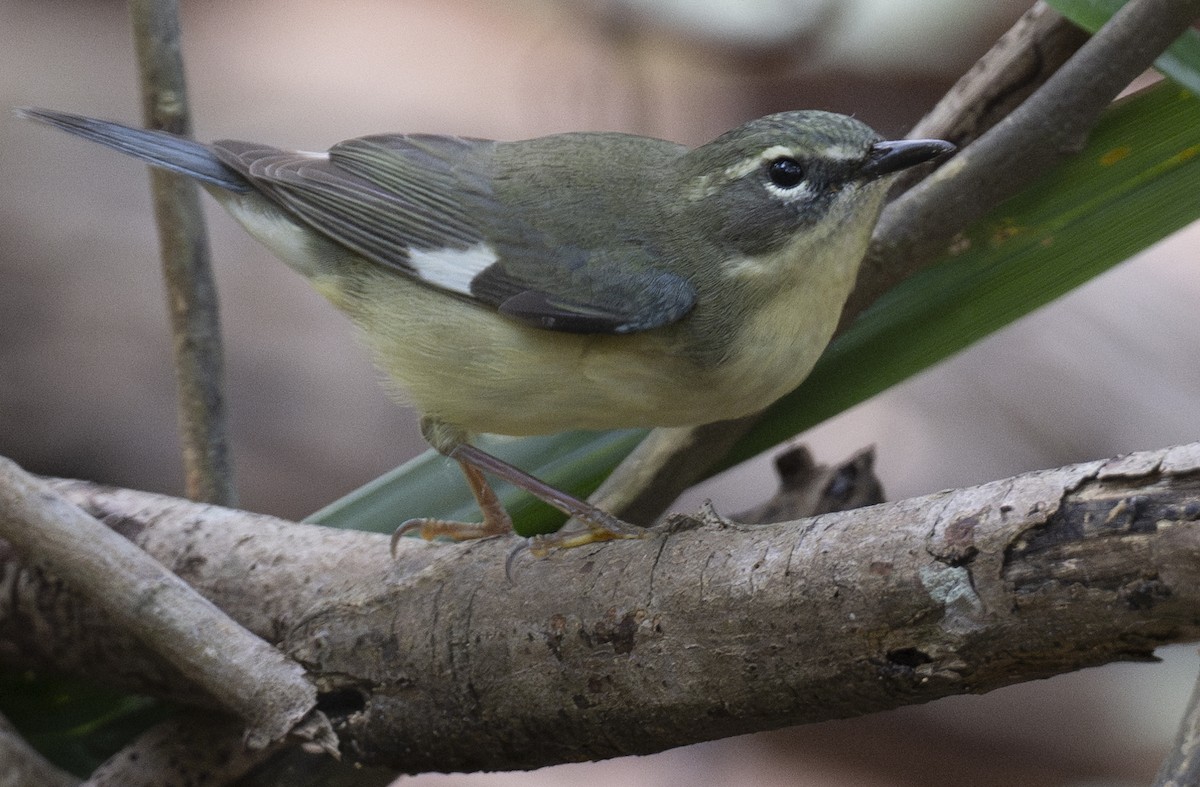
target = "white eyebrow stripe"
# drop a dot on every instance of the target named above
(776, 151)
(746, 166)
(452, 269)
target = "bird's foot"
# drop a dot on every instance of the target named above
(569, 538)
(429, 528)
(594, 528)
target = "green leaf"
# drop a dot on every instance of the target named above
(1181, 61)
(1134, 183)
(71, 722)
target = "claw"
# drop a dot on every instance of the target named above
(405, 528)
(429, 529)
(513, 554)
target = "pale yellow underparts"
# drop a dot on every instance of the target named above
(468, 366)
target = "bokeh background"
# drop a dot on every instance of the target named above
(86, 386)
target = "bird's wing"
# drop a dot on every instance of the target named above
(423, 205)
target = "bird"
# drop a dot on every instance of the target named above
(584, 280)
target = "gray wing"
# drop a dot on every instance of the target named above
(423, 205)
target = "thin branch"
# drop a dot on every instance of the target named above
(920, 223)
(664, 464)
(193, 748)
(1019, 63)
(191, 292)
(22, 766)
(1047, 128)
(704, 629)
(239, 670)
(1181, 768)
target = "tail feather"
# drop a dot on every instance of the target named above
(157, 148)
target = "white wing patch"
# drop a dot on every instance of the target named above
(452, 269)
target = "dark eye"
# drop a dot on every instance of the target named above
(786, 173)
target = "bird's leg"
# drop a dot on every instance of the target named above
(599, 525)
(496, 521)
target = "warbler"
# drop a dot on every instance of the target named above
(573, 281)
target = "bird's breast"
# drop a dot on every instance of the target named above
(468, 366)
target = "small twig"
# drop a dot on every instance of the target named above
(918, 224)
(21, 766)
(191, 292)
(664, 464)
(193, 748)
(1181, 768)
(1020, 62)
(240, 671)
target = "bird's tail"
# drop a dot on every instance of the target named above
(157, 148)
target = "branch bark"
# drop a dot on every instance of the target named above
(703, 629)
(1045, 129)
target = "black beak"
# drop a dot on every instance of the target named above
(895, 155)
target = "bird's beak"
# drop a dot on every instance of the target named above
(895, 155)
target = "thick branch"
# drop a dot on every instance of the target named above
(707, 630)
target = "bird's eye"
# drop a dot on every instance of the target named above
(786, 173)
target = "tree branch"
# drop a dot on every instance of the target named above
(807, 489)
(704, 629)
(1019, 63)
(1052, 124)
(187, 271)
(1181, 767)
(22, 766)
(193, 748)
(239, 670)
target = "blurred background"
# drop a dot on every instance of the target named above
(86, 384)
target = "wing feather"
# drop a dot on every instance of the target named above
(423, 205)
